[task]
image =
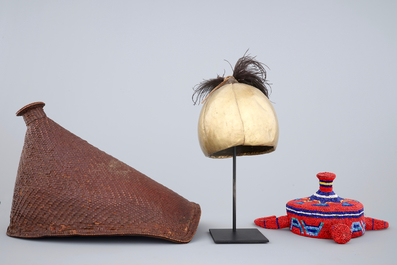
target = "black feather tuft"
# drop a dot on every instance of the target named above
(247, 70)
(204, 88)
(251, 72)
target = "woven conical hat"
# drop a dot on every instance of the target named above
(65, 187)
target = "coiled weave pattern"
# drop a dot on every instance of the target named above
(65, 187)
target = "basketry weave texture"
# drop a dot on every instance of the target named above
(65, 187)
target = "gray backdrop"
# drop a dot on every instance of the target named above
(120, 74)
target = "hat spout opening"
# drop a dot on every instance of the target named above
(32, 112)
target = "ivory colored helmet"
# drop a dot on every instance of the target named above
(237, 113)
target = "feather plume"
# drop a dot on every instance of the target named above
(247, 71)
(204, 88)
(251, 72)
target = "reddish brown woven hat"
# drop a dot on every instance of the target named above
(65, 187)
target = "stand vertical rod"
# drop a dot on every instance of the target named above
(234, 189)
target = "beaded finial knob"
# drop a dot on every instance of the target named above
(326, 180)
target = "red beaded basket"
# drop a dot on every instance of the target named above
(324, 215)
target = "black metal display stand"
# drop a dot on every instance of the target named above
(242, 235)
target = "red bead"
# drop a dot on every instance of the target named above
(341, 233)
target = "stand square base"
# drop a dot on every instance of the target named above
(239, 236)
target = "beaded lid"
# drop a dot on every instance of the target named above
(325, 203)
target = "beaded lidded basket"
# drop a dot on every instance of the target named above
(67, 187)
(324, 215)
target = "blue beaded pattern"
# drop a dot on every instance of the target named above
(322, 214)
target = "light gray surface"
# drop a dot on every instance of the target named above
(120, 74)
